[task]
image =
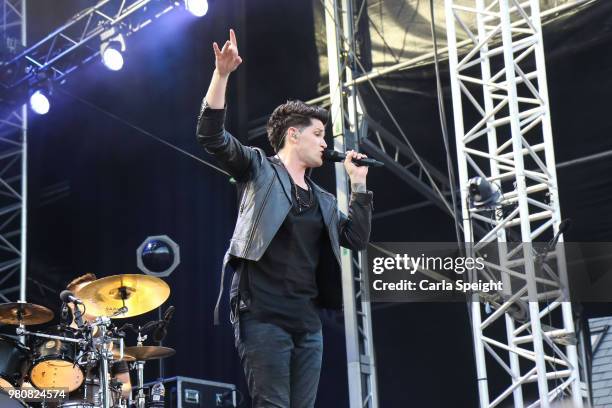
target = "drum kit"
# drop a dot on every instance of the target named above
(69, 366)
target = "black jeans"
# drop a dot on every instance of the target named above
(282, 369)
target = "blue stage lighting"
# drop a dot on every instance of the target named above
(112, 57)
(39, 102)
(198, 8)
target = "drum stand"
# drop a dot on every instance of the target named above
(104, 355)
(21, 331)
(140, 398)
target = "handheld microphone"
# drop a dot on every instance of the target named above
(334, 156)
(67, 296)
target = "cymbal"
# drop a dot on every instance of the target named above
(138, 293)
(126, 357)
(143, 353)
(24, 313)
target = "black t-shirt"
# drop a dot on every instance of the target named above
(282, 283)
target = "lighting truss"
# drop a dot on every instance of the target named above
(13, 165)
(345, 115)
(503, 133)
(401, 159)
(77, 41)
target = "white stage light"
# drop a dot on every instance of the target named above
(112, 47)
(112, 59)
(198, 8)
(39, 102)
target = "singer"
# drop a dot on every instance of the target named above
(285, 249)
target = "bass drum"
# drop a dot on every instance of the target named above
(7, 402)
(14, 363)
(54, 362)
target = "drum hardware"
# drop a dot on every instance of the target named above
(144, 353)
(56, 359)
(102, 346)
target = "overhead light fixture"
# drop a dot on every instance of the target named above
(111, 50)
(39, 101)
(198, 8)
(483, 195)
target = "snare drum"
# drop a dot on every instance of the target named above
(14, 363)
(54, 364)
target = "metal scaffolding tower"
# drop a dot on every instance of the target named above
(346, 116)
(13, 168)
(503, 133)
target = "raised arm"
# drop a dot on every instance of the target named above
(231, 154)
(227, 60)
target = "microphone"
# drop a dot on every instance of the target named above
(67, 296)
(334, 156)
(65, 318)
(169, 313)
(160, 332)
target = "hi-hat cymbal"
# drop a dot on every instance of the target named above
(144, 353)
(138, 293)
(24, 313)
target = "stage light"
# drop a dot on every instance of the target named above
(158, 256)
(198, 8)
(483, 194)
(112, 47)
(112, 56)
(39, 102)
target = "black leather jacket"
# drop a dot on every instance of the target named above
(264, 192)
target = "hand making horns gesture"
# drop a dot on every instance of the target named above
(227, 58)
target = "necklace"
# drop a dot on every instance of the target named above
(301, 204)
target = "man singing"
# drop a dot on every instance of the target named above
(285, 250)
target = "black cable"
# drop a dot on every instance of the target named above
(449, 163)
(141, 130)
(444, 125)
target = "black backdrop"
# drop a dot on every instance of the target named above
(124, 186)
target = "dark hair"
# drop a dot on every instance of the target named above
(88, 277)
(291, 114)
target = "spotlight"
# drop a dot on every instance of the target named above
(483, 194)
(39, 102)
(112, 58)
(198, 8)
(111, 49)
